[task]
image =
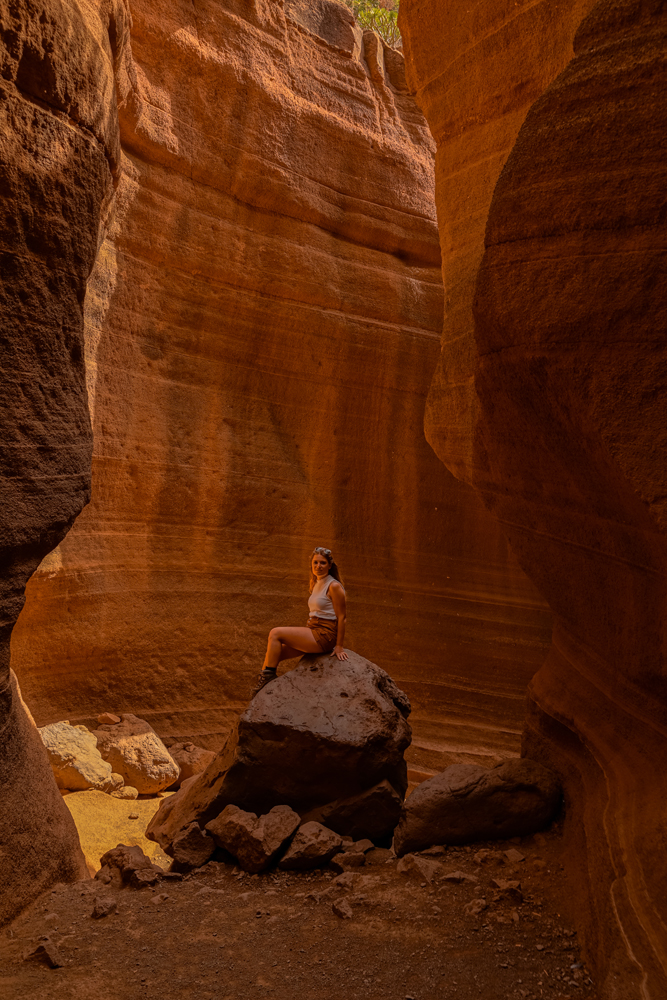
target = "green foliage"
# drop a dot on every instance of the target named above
(380, 16)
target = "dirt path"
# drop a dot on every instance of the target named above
(224, 935)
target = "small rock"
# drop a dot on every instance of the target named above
(254, 842)
(489, 858)
(424, 869)
(105, 875)
(133, 816)
(342, 909)
(45, 951)
(343, 862)
(475, 907)
(160, 898)
(312, 847)
(114, 784)
(458, 877)
(347, 880)
(108, 719)
(514, 856)
(192, 848)
(126, 792)
(364, 845)
(127, 860)
(143, 877)
(103, 906)
(434, 852)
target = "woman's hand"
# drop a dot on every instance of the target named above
(340, 653)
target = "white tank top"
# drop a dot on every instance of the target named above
(320, 604)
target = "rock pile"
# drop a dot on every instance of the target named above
(124, 757)
(326, 739)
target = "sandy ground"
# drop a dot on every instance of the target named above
(223, 935)
(103, 822)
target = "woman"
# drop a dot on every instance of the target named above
(325, 630)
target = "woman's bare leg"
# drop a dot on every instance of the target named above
(299, 639)
(288, 652)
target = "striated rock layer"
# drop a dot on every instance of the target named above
(569, 449)
(261, 328)
(475, 72)
(58, 154)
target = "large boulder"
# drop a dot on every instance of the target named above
(136, 751)
(465, 803)
(326, 730)
(76, 762)
(254, 841)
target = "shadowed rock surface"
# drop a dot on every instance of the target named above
(567, 440)
(466, 804)
(327, 728)
(58, 156)
(373, 813)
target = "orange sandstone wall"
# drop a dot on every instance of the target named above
(262, 324)
(569, 442)
(475, 70)
(58, 160)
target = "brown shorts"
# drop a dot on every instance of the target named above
(325, 633)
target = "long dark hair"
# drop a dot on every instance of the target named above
(319, 550)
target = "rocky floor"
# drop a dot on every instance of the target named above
(220, 934)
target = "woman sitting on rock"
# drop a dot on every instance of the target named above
(325, 630)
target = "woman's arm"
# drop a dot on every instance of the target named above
(337, 595)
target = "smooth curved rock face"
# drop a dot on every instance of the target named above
(58, 152)
(327, 730)
(262, 324)
(466, 803)
(475, 70)
(566, 436)
(570, 309)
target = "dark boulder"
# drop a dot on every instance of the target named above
(371, 815)
(326, 731)
(465, 803)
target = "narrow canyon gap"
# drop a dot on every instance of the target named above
(262, 325)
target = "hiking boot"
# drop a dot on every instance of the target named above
(265, 677)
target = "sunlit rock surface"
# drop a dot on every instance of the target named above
(569, 445)
(262, 325)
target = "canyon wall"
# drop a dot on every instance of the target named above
(262, 324)
(565, 429)
(58, 158)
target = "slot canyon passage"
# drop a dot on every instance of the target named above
(222, 292)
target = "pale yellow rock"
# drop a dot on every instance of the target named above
(125, 792)
(103, 822)
(76, 762)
